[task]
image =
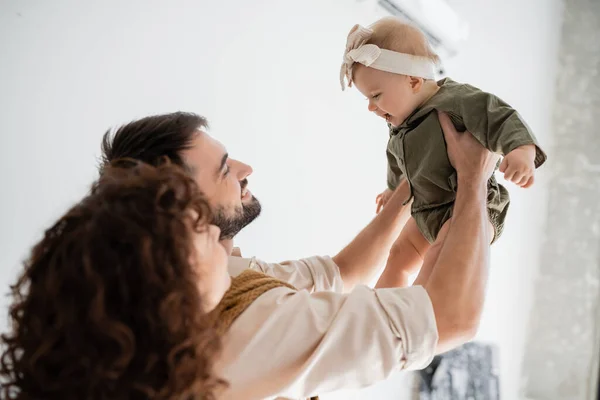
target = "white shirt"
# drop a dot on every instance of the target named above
(296, 344)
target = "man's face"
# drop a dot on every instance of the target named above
(223, 181)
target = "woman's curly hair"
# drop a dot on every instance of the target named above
(107, 306)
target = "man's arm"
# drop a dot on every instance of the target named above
(457, 282)
(458, 278)
(359, 260)
(325, 341)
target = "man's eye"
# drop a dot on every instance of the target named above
(226, 171)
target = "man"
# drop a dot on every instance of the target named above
(223, 180)
(301, 343)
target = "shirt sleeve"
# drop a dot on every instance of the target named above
(297, 344)
(496, 125)
(313, 274)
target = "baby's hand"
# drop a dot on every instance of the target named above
(382, 198)
(518, 166)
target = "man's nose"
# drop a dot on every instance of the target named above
(242, 170)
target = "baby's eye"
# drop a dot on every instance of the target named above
(375, 97)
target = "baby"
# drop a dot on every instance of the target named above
(392, 64)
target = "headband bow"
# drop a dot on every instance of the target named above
(372, 56)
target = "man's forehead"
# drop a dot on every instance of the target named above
(209, 141)
(205, 152)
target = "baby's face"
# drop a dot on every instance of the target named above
(391, 96)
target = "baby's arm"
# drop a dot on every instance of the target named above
(518, 166)
(394, 177)
(501, 129)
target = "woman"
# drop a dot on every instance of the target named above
(113, 302)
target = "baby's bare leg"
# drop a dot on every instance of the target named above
(406, 257)
(433, 253)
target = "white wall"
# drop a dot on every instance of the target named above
(512, 52)
(265, 74)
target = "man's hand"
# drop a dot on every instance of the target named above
(382, 198)
(518, 166)
(473, 162)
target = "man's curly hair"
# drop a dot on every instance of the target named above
(107, 306)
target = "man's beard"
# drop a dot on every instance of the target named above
(231, 225)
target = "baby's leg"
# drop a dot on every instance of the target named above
(432, 256)
(433, 253)
(406, 257)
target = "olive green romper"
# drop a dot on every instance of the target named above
(417, 150)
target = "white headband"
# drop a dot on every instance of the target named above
(385, 60)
